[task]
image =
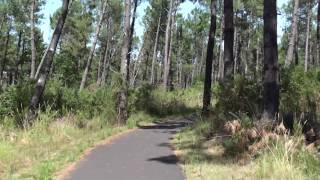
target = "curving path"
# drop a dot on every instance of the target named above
(144, 154)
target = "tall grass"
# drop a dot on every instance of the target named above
(37, 153)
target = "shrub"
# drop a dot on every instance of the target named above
(239, 97)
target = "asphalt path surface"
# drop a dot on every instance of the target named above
(144, 154)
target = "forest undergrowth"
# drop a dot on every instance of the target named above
(229, 145)
(70, 122)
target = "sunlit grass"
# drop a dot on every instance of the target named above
(203, 159)
(44, 149)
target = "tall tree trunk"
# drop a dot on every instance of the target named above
(33, 43)
(99, 69)
(271, 67)
(170, 78)
(167, 48)
(235, 50)
(93, 48)
(42, 60)
(4, 60)
(293, 35)
(257, 59)
(14, 71)
(106, 58)
(318, 34)
(209, 60)
(221, 53)
(155, 49)
(123, 94)
(131, 38)
(306, 58)
(146, 68)
(228, 39)
(45, 69)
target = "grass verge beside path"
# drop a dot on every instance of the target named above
(203, 158)
(41, 151)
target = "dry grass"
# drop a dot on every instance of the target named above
(281, 157)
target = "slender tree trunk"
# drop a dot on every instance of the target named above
(179, 68)
(318, 34)
(4, 61)
(2, 21)
(170, 78)
(42, 60)
(235, 50)
(17, 57)
(293, 35)
(221, 53)
(93, 48)
(45, 69)
(257, 59)
(246, 63)
(271, 68)
(166, 63)
(136, 70)
(106, 58)
(228, 39)
(209, 60)
(131, 38)
(100, 64)
(105, 66)
(155, 49)
(146, 68)
(306, 58)
(33, 43)
(123, 94)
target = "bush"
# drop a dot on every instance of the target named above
(300, 91)
(57, 97)
(161, 103)
(241, 97)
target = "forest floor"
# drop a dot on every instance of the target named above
(143, 154)
(207, 153)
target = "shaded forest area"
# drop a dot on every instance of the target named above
(224, 63)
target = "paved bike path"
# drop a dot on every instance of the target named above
(144, 154)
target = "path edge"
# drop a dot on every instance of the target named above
(70, 167)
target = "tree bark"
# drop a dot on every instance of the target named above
(235, 50)
(4, 60)
(170, 78)
(209, 60)
(17, 57)
(167, 48)
(221, 54)
(123, 94)
(228, 39)
(33, 43)
(93, 48)
(271, 68)
(318, 34)
(155, 48)
(293, 35)
(131, 38)
(106, 58)
(306, 58)
(47, 63)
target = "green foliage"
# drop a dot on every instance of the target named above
(14, 100)
(64, 100)
(240, 97)
(300, 90)
(160, 103)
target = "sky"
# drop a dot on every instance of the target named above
(185, 8)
